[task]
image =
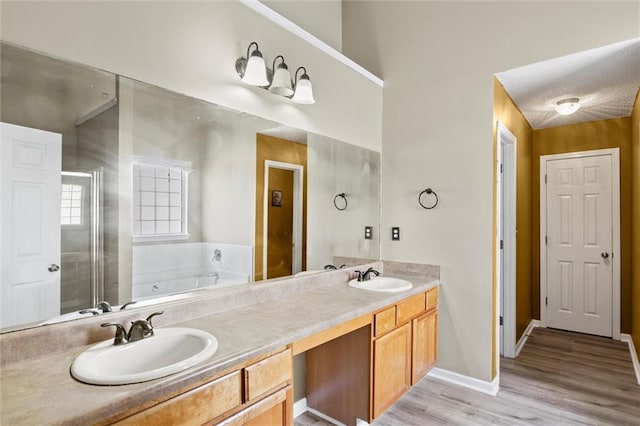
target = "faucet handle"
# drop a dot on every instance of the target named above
(121, 333)
(153, 315)
(89, 311)
(126, 305)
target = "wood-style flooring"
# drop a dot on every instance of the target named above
(559, 378)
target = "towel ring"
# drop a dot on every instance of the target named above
(335, 201)
(428, 191)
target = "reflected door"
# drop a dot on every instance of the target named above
(579, 241)
(280, 223)
(30, 224)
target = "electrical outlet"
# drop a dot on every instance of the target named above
(395, 233)
(368, 232)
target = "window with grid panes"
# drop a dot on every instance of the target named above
(159, 201)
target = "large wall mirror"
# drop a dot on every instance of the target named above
(116, 190)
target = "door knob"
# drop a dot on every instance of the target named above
(53, 267)
(604, 254)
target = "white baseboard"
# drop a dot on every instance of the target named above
(299, 407)
(325, 417)
(490, 388)
(634, 355)
(533, 324)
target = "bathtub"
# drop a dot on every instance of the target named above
(208, 280)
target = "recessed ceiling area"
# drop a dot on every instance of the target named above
(605, 79)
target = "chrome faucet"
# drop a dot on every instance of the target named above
(140, 329)
(366, 275)
(332, 267)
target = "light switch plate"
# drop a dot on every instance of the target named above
(368, 232)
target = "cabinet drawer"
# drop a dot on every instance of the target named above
(195, 407)
(267, 375)
(411, 307)
(385, 321)
(432, 298)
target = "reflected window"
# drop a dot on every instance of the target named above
(160, 200)
(71, 205)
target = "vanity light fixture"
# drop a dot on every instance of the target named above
(281, 82)
(303, 90)
(253, 70)
(567, 106)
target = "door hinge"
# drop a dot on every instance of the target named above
(501, 320)
(545, 179)
(612, 255)
(501, 244)
(546, 301)
(546, 240)
(501, 167)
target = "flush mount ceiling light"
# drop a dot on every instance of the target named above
(567, 106)
(304, 90)
(253, 69)
(281, 82)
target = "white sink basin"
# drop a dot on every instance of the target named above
(384, 284)
(169, 351)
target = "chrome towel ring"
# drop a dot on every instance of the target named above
(428, 191)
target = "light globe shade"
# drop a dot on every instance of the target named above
(567, 106)
(304, 92)
(281, 84)
(255, 72)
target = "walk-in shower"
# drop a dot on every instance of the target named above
(82, 240)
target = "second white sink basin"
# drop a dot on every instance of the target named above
(169, 351)
(384, 284)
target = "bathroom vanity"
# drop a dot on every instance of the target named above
(364, 349)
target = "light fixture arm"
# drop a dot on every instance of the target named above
(249, 48)
(303, 74)
(282, 63)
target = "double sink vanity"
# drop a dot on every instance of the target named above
(363, 348)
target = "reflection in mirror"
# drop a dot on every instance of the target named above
(150, 193)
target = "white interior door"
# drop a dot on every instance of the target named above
(30, 224)
(579, 244)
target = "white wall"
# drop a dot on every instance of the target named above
(438, 61)
(321, 18)
(191, 48)
(335, 167)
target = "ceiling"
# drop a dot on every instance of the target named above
(605, 79)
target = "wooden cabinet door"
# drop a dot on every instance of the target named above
(425, 338)
(392, 367)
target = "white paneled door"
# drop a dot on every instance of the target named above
(30, 179)
(579, 244)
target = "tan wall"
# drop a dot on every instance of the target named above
(507, 112)
(272, 148)
(635, 224)
(614, 133)
(438, 60)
